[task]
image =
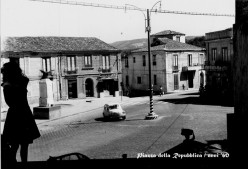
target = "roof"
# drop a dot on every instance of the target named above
(167, 32)
(51, 44)
(221, 34)
(167, 44)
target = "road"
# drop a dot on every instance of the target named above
(89, 134)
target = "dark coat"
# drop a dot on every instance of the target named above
(20, 126)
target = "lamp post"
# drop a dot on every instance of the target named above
(151, 115)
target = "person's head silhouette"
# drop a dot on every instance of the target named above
(12, 73)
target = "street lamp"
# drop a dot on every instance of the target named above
(135, 7)
(151, 114)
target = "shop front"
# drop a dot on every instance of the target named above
(107, 85)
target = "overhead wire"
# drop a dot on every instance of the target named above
(129, 8)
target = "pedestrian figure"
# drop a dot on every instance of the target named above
(161, 90)
(183, 87)
(20, 128)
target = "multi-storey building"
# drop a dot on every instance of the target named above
(174, 65)
(80, 67)
(218, 67)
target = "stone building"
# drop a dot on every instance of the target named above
(79, 66)
(175, 65)
(218, 67)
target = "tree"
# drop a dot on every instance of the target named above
(197, 41)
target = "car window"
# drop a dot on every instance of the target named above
(113, 107)
(70, 157)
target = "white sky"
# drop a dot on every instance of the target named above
(29, 18)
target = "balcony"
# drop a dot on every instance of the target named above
(175, 69)
(216, 68)
(194, 67)
(184, 68)
(71, 72)
(106, 70)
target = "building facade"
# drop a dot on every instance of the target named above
(79, 67)
(218, 66)
(174, 66)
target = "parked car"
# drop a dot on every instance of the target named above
(114, 111)
(68, 157)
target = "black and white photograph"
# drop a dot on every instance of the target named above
(123, 83)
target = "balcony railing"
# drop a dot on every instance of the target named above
(75, 71)
(184, 68)
(175, 68)
(106, 70)
(196, 66)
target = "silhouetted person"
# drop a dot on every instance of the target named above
(187, 133)
(183, 86)
(160, 90)
(20, 128)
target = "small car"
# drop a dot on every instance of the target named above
(114, 111)
(68, 157)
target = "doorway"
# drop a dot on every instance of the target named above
(201, 78)
(89, 88)
(191, 79)
(72, 88)
(176, 83)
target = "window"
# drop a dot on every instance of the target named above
(88, 61)
(224, 54)
(126, 61)
(127, 80)
(26, 65)
(105, 62)
(154, 60)
(214, 54)
(201, 59)
(117, 62)
(178, 38)
(189, 60)
(155, 79)
(134, 60)
(46, 64)
(71, 63)
(144, 60)
(175, 60)
(139, 80)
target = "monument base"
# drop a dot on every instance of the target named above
(52, 112)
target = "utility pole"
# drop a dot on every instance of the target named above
(151, 114)
(237, 121)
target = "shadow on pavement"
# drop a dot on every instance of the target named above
(196, 99)
(190, 94)
(102, 119)
(196, 148)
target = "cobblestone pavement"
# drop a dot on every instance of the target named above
(98, 139)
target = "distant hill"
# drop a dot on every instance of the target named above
(130, 44)
(190, 37)
(142, 43)
(196, 41)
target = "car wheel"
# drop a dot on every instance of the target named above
(124, 117)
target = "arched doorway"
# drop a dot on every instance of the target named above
(89, 88)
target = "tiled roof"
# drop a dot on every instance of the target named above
(51, 44)
(171, 45)
(167, 32)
